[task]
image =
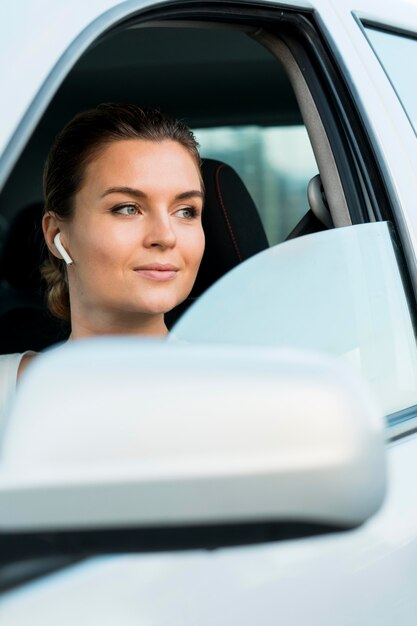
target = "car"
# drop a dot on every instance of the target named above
(270, 477)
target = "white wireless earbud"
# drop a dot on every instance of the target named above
(61, 249)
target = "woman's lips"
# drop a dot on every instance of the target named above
(157, 272)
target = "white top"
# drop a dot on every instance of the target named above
(9, 365)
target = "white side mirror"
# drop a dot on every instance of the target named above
(117, 433)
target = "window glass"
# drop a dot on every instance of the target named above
(398, 55)
(338, 291)
(275, 163)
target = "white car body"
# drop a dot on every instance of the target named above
(367, 575)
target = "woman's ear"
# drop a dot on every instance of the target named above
(51, 228)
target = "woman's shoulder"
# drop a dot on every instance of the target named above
(9, 363)
(11, 366)
(26, 358)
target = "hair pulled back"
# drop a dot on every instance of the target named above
(80, 141)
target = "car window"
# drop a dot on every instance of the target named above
(276, 165)
(398, 54)
(338, 292)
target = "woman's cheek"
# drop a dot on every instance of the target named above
(105, 246)
(199, 248)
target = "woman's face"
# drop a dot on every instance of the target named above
(136, 237)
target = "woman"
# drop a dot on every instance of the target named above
(123, 201)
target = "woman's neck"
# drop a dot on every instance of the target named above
(146, 325)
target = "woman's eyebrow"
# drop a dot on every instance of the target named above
(128, 190)
(131, 191)
(185, 195)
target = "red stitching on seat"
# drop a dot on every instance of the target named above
(226, 216)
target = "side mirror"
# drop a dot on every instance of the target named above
(115, 433)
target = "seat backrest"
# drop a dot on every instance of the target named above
(21, 256)
(232, 227)
(25, 323)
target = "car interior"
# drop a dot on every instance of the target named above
(269, 170)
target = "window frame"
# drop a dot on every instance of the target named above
(367, 25)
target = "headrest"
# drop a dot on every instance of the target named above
(232, 226)
(231, 222)
(24, 250)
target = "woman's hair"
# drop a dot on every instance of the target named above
(80, 141)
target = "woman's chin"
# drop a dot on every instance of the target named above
(159, 298)
(160, 306)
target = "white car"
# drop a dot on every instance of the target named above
(259, 467)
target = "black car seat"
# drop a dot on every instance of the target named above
(25, 323)
(20, 260)
(233, 231)
(232, 227)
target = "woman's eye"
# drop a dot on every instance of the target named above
(127, 209)
(186, 213)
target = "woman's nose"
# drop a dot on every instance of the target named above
(160, 232)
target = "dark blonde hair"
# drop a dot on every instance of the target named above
(74, 148)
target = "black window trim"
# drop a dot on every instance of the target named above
(365, 23)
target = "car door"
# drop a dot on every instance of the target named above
(276, 299)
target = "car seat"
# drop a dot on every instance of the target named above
(25, 323)
(232, 226)
(20, 259)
